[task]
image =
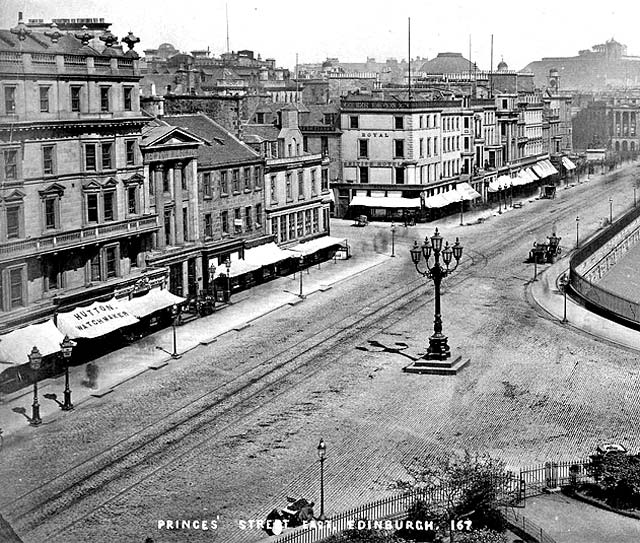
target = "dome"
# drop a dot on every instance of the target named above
(503, 66)
(446, 63)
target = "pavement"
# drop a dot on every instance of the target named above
(152, 352)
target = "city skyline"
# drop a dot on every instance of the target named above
(561, 30)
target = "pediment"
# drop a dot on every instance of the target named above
(13, 196)
(176, 136)
(53, 189)
(135, 179)
(110, 182)
(91, 184)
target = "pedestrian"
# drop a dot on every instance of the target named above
(92, 374)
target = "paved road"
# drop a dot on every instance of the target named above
(232, 429)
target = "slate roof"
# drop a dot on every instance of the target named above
(267, 132)
(224, 148)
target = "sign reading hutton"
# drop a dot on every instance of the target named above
(95, 320)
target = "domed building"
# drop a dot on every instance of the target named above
(446, 63)
(502, 66)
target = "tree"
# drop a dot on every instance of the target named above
(617, 476)
(463, 487)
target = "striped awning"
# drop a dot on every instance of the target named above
(392, 202)
(566, 162)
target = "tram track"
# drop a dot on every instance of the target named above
(140, 455)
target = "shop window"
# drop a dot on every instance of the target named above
(307, 221)
(283, 228)
(111, 261)
(292, 226)
(300, 221)
(316, 215)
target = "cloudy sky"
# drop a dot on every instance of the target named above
(354, 29)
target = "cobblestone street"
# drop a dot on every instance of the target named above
(232, 428)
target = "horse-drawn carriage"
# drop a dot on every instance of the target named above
(543, 253)
(296, 513)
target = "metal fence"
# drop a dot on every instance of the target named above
(527, 526)
(535, 480)
(590, 291)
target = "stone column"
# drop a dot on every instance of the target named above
(191, 171)
(158, 172)
(177, 198)
(145, 196)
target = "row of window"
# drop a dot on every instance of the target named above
(398, 175)
(97, 157)
(363, 148)
(424, 121)
(296, 225)
(235, 221)
(98, 207)
(246, 182)
(75, 97)
(289, 177)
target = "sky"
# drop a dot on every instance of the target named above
(352, 30)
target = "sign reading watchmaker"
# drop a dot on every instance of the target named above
(95, 320)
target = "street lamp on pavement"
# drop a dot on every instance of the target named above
(577, 230)
(461, 210)
(227, 263)
(500, 199)
(393, 239)
(438, 346)
(300, 264)
(66, 347)
(610, 210)
(35, 360)
(322, 451)
(564, 285)
(175, 317)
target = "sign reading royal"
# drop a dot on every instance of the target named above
(95, 320)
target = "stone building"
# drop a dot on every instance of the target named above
(76, 223)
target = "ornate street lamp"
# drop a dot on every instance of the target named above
(461, 210)
(577, 230)
(322, 451)
(227, 263)
(500, 199)
(393, 239)
(438, 346)
(66, 347)
(35, 361)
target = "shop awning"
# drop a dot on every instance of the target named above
(154, 300)
(16, 346)
(436, 201)
(329, 197)
(566, 162)
(544, 169)
(95, 320)
(500, 183)
(256, 258)
(392, 202)
(313, 246)
(467, 191)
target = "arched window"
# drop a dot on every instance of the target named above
(617, 146)
(624, 146)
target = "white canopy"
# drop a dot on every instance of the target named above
(394, 202)
(467, 191)
(16, 346)
(95, 320)
(544, 169)
(155, 300)
(568, 164)
(255, 258)
(436, 201)
(313, 246)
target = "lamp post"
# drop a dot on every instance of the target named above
(438, 346)
(66, 347)
(227, 263)
(564, 284)
(322, 451)
(393, 239)
(610, 210)
(461, 211)
(500, 199)
(175, 316)
(577, 230)
(300, 264)
(35, 360)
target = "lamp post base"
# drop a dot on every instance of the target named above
(438, 348)
(67, 405)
